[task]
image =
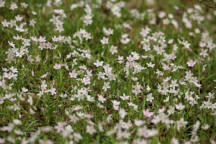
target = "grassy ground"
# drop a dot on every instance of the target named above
(102, 72)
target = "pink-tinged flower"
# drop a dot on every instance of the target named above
(55, 39)
(86, 80)
(42, 39)
(73, 74)
(138, 122)
(147, 113)
(213, 142)
(191, 63)
(130, 58)
(57, 66)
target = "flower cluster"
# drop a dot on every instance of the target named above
(114, 71)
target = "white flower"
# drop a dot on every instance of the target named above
(98, 63)
(180, 106)
(13, 6)
(52, 91)
(17, 122)
(174, 141)
(124, 97)
(105, 40)
(120, 59)
(147, 113)
(115, 104)
(138, 122)
(191, 63)
(90, 129)
(150, 98)
(137, 89)
(125, 39)
(2, 3)
(107, 31)
(122, 113)
(24, 89)
(162, 14)
(86, 80)
(181, 123)
(106, 86)
(113, 49)
(205, 127)
(145, 31)
(101, 98)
